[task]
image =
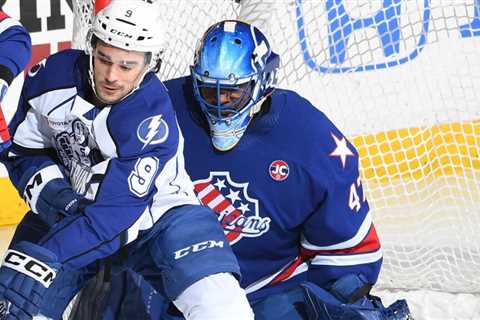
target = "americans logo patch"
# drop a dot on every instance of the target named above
(237, 211)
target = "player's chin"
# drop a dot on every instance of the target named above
(110, 96)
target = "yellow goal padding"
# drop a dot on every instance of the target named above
(12, 207)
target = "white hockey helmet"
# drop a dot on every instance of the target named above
(133, 25)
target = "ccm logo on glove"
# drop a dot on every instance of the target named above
(29, 266)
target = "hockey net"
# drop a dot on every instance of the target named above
(402, 80)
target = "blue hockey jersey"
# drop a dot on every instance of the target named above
(15, 48)
(126, 158)
(15, 52)
(288, 196)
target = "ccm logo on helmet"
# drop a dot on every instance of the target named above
(198, 247)
(29, 266)
(121, 33)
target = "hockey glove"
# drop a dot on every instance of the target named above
(25, 275)
(49, 194)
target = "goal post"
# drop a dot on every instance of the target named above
(402, 79)
(99, 5)
(84, 11)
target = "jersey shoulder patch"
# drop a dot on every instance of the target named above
(144, 120)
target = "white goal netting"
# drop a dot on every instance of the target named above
(402, 79)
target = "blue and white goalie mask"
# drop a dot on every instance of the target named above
(233, 72)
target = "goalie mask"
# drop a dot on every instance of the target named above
(130, 25)
(234, 70)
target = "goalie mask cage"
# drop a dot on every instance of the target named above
(401, 78)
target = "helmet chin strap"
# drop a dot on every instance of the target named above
(91, 80)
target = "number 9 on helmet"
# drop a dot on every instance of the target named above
(131, 25)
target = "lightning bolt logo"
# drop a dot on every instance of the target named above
(153, 130)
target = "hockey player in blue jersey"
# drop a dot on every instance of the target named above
(15, 52)
(283, 180)
(97, 155)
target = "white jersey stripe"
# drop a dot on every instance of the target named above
(102, 134)
(214, 202)
(257, 285)
(209, 188)
(143, 222)
(347, 260)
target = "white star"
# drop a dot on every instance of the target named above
(243, 207)
(220, 184)
(341, 150)
(233, 195)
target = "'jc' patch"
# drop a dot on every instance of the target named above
(279, 170)
(153, 130)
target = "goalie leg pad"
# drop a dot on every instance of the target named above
(288, 305)
(323, 305)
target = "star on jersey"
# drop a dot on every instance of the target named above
(243, 207)
(233, 195)
(220, 184)
(342, 151)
